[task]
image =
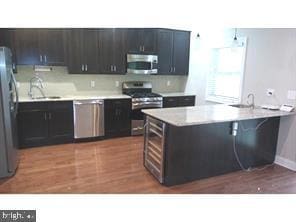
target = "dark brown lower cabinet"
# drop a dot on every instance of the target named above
(45, 123)
(117, 117)
(178, 101)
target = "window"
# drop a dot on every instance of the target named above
(224, 81)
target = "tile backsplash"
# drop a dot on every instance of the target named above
(59, 82)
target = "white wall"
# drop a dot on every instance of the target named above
(270, 63)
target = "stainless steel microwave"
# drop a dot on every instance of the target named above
(142, 64)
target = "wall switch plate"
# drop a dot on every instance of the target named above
(270, 92)
(117, 83)
(92, 84)
(291, 94)
(168, 83)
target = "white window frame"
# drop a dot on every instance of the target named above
(241, 41)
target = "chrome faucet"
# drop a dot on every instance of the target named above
(36, 82)
(252, 104)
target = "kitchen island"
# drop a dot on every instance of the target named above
(186, 144)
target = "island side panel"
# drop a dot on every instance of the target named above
(201, 151)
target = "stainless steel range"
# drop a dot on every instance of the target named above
(142, 98)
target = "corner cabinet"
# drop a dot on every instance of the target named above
(45, 123)
(117, 117)
(173, 48)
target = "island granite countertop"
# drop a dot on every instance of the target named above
(197, 115)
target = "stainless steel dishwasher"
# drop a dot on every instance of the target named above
(88, 118)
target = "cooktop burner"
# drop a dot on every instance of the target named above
(142, 94)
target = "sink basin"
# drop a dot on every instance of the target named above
(48, 97)
(240, 106)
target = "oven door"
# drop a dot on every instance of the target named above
(137, 116)
(142, 64)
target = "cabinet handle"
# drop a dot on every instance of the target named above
(171, 69)
(40, 58)
(143, 48)
(140, 48)
(85, 67)
(49, 115)
(45, 58)
(174, 69)
(45, 116)
(82, 67)
(111, 68)
(114, 68)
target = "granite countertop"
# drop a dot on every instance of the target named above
(175, 94)
(186, 116)
(78, 97)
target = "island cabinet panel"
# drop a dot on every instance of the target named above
(117, 117)
(45, 123)
(201, 151)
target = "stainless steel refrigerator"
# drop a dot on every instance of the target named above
(8, 115)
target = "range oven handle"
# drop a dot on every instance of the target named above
(146, 105)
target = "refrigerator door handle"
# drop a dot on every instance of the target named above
(16, 93)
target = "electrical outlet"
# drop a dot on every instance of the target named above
(291, 94)
(117, 83)
(270, 92)
(92, 83)
(168, 83)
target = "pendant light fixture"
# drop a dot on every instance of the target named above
(235, 37)
(235, 42)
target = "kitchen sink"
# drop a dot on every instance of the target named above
(48, 97)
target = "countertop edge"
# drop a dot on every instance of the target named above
(146, 112)
(70, 98)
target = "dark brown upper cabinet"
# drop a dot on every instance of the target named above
(39, 46)
(141, 41)
(112, 55)
(27, 47)
(82, 51)
(51, 46)
(7, 40)
(173, 48)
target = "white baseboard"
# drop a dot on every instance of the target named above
(285, 163)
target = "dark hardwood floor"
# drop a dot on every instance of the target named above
(115, 166)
